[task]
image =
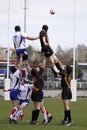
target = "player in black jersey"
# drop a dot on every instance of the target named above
(57, 66)
(37, 94)
(66, 94)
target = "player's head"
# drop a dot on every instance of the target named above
(68, 69)
(33, 72)
(45, 27)
(17, 28)
(13, 69)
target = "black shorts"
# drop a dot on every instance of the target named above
(66, 94)
(47, 51)
(37, 96)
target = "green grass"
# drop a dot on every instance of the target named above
(55, 106)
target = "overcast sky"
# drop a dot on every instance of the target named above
(61, 25)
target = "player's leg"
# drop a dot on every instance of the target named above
(49, 115)
(14, 111)
(58, 63)
(24, 72)
(14, 96)
(68, 112)
(43, 110)
(35, 113)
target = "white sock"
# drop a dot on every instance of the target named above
(44, 115)
(18, 113)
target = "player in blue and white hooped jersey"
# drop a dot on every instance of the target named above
(15, 89)
(25, 91)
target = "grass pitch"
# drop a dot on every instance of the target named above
(55, 106)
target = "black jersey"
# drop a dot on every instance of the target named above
(38, 80)
(45, 48)
(65, 84)
(37, 93)
(43, 34)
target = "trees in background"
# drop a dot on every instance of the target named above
(65, 55)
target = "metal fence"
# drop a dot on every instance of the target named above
(50, 82)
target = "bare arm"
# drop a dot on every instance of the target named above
(29, 68)
(32, 38)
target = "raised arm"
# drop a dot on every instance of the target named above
(32, 38)
(28, 67)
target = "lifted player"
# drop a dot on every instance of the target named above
(57, 66)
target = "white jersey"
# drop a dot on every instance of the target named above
(25, 90)
(19, 40)
(15, 80)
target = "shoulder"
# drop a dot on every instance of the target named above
(42, 33)
(24, 34)
(17, 72)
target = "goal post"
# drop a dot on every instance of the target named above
(74, 90)
(7, 86)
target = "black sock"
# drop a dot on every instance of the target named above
(36, 114)
(69, 115)
(58, 66)
(55, 74)
(65, 115)
(33, 115)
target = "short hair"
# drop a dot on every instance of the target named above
(13, 69)
(17, 28)
(45, 27)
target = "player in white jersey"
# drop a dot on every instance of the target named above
(14, 89)
(25, 90)
(19, 43)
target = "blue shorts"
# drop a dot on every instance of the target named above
(24, 101)
(22, 51)
(14, 94)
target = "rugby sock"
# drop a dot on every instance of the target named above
(55, 74)
(33, 115)
(18, 113)
(13, 112)
(65, 115)
(37, 111)
(55, 69)
(69, 115)
(47, 112)
(58, 66)
(44, 115)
